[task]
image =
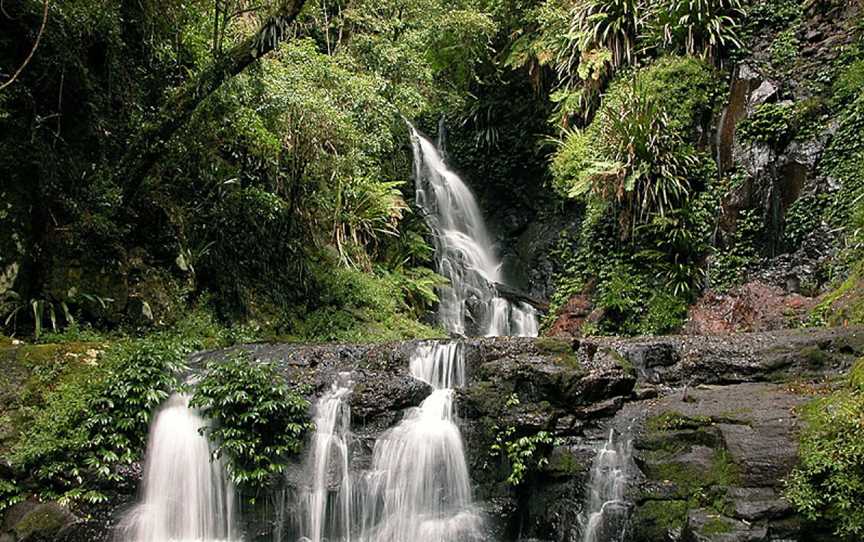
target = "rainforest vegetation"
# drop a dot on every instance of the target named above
(180, 175)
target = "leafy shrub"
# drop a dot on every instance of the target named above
(828, 484)
(784, 50)
(740, 251)
(257, 421)
(770, 123)
(521, 453)
(351, 305)
(638, 163)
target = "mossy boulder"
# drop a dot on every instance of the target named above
(33, 521)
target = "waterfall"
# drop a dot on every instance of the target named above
(417, 488)
(328, 515)
(607, 510)
(464, 251)
(185, 496)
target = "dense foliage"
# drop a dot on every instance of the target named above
(828, 485)
(650, 193)
(256, 421)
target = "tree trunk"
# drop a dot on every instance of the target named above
(150, 143)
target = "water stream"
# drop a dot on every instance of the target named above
(185, 496)
(464, 252)
(607, 510)
(417, 487)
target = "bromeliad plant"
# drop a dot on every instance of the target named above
(643, 165)
(707, 28)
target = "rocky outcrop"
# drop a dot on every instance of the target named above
(716, 457)
(713, 420)
(708, 415)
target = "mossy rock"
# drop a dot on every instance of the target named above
(844, 305)
(673, 420)
(693, 472)
(40, 522)
(561, 350)
(654, 520)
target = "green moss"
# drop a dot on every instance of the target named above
(856, 375)
(815, 356)
(673, 420)
(715, 526)
(561, 351)
(654, 520)
(565, 463)
(553, 345)
(845, 304)
(692, 482)
(622, 361)
(724, 471)
(43, 521)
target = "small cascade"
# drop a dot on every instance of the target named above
(464, 251)
(186, 496)
(607, 510)
(418, 489)
(328, 508)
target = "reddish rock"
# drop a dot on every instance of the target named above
(754, 306)
(571, 317)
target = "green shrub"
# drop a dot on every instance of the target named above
(738, 254)
(631, 159)
(828, 484)
(355, 306)
(256, 421)
(523, 454)
(784, 50)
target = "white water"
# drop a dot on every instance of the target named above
(464, 252)
(328, 510)
(186, 497)
(417, 488)
(607, 509)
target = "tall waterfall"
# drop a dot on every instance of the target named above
(464, 252)
(607, 510)
(417, 488)
(186, 496)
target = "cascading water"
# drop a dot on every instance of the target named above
(607, 510)
(417, 488)
(328, 513)
(186, 496)
(464, 251)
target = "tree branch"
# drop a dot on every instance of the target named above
(32, 51)
(144, 151)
